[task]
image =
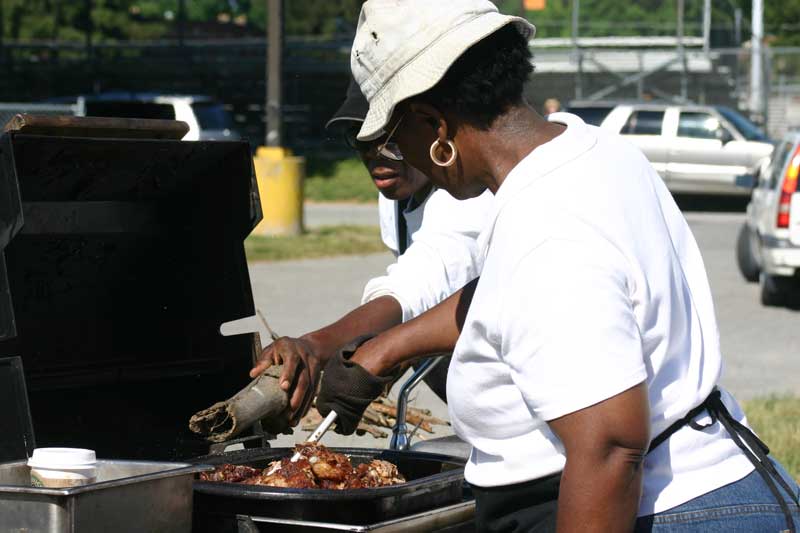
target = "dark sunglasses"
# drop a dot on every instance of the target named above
(386, 149)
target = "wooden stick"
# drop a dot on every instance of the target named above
(378, 434)
(411, 417)
(274, 336)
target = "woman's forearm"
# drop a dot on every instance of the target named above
(373, 317)
(435, 331)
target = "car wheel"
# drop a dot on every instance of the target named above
(748, 265)
(775, 290)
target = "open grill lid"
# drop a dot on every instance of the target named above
(10, 224)
(16, 439)
(129, 258)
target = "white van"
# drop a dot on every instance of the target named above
(695, 148)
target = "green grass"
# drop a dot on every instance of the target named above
(346, 180)
(321, 242)
(776, 419)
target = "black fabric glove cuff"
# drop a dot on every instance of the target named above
(348, 389)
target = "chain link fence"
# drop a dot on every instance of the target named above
(316, 75)
(783, 108)
(716, 77)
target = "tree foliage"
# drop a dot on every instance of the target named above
(113, 20)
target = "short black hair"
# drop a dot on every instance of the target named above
(485, 80)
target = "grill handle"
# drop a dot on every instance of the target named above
(401, 440)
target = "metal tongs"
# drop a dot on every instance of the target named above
(318, 433)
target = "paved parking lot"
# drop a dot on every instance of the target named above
(760, 345)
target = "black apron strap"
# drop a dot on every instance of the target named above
(402, 227)
(687, 420)
(753, 448)
(756, 451)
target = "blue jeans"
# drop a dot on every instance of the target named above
(744, 506)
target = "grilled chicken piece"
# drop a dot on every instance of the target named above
(378, 473)
(228, 473)
(285, 473)
(325, 464)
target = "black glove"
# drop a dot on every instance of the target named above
(348, 389)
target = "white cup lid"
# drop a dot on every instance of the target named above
(56, 458)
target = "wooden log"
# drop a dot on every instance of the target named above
(262, 399)
(365, 428)
(412, 417)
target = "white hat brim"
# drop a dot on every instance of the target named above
(430, 66)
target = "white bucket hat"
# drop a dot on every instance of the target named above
(404, 47)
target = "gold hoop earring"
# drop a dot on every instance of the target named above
(450, 160)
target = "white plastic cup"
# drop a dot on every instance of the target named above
(62, 467)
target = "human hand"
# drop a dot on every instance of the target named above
(302, 361)
(348, 388)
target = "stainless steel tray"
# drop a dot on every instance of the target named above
(129, 496)
(445, 518)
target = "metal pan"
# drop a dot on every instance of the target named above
(129, 497)
(434, 481)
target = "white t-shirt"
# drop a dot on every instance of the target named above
(592, 284)
(443, 254)
(387, 216)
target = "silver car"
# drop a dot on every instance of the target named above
(768, 248)
(695, 149)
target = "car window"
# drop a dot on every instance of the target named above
(749, 131)
(782, 152)
(699, 125)
(130, 110)
(212, 116)
(593, 115)
(644, 123)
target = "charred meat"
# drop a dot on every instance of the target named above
(317, 468)
(230, 473)
(284, 473)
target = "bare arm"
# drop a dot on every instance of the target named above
(434, 331)
(304, 357)
(605, 448)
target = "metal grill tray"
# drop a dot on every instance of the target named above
(456, 518)
(434, 481)
(129, 497)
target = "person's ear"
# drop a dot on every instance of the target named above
(433, 117)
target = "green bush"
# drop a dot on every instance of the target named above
(345, 180)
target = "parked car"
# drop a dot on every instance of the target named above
(207, 119)
(695, 149)
(768, 247)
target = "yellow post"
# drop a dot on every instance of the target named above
(280, 184)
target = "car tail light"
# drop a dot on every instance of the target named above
(789, 188)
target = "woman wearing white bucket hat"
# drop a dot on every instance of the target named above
(586, 356)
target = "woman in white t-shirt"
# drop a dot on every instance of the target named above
(586, 356)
